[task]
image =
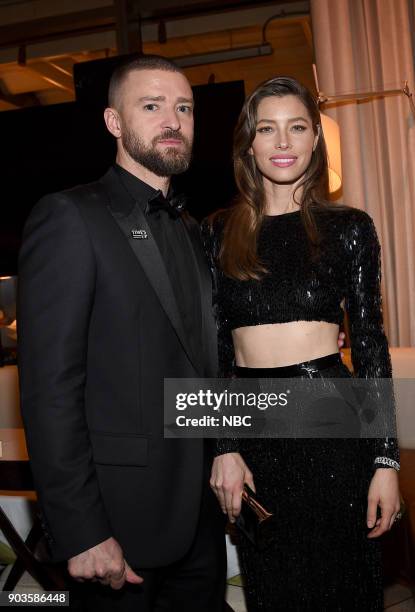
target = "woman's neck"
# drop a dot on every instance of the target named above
(279, 198)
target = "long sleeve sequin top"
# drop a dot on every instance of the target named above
(298, 287)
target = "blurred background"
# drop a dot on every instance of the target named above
(52, 131)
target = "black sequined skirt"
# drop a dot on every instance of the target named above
(320, 558)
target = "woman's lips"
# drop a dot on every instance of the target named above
(283, 161)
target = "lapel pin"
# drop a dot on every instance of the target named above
(139, 234)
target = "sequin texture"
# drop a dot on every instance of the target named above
(321, 558)
(299, 287)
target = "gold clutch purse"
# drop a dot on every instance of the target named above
(254, 521)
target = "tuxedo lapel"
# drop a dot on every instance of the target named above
(130, 218)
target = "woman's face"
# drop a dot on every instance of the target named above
(284, 139)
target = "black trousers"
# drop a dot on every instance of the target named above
(194, 583)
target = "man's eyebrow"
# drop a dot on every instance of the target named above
(163, 99)
(152, 98)
(290, 120)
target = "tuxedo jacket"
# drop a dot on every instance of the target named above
(99, 330)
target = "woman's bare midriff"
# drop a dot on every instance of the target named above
(281, 344)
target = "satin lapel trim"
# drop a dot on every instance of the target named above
(149, 257)
(150, 260)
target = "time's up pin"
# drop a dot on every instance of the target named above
(139, 234)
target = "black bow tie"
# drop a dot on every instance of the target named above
(173, 205)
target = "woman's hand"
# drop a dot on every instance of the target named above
(383, 492)
(229, 474)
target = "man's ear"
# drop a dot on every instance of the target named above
(113, 121)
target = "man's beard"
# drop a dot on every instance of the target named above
(171, 161)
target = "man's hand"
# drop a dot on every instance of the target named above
(104, 563)
(229, 474)
(383, 492)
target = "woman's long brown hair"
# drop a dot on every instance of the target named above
(238, 255)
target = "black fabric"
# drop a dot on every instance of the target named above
(302, 285)
(319, 557)
(305, 367)
(99, 330)
(194, 582)
(175, 248)
(174, 206)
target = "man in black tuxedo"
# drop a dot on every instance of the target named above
(114, 296)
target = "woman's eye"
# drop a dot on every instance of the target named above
(299, 128)
(264, 129)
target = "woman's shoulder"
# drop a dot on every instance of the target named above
(356, 215)
(360, 225)
(356, 232)
(348, 218)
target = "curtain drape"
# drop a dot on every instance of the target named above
(367, 45)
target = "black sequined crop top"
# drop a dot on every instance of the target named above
(298, 287)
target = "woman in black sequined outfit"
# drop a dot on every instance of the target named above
(285, 262)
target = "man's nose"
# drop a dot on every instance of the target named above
(171, 120)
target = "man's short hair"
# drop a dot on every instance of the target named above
(136, 62)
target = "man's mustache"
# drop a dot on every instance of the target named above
(173, 134)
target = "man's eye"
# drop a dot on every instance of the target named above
(299, 128)
(150, 107)
(185, 109)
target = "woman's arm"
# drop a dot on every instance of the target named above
(371, 360)
(229, 471)
(211, 241)
(369, 346)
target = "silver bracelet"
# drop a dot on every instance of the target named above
(389, 462)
